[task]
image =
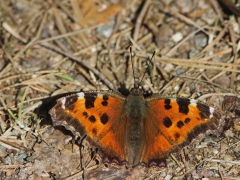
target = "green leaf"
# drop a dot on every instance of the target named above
(64, 76)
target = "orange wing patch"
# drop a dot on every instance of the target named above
(98, 116)
(96, 113)
(172, 123)
(156, 148)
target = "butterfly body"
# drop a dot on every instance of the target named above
(135, 116)
(134, 129)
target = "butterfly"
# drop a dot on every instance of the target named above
(133, 129)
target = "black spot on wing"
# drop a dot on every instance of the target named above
(167, 104)
(177, 136)
(167, 122)
(105, 97)
(90, 99)
(70, 101)
(183, 104)
(104, 118)
(105, 100)
(85, 114)
(180, 124)
(92, 119)
(94, 131)
(204, 110)
(187, 120)
(104, 103)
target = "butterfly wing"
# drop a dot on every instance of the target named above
(172, 123)
(97, 114)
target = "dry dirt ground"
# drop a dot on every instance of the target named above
(51, 48)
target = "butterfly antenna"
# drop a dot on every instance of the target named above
(149, 62)
(131, 58)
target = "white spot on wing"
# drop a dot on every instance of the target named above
(211, 109)
(63, 101)
(193, 102)
(81, 94)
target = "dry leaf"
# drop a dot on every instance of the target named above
(94, 14)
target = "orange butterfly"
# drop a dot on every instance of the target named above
(134, 129)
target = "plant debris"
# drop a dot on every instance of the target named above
(53, 48)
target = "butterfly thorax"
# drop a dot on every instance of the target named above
(136, 105)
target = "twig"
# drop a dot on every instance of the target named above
(140, 19)
(234, 46)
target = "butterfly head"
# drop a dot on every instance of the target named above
(137, 89)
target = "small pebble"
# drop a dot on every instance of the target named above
(107, 29)
(21, 157)
(200, 40)
(177, 37)
(7, 160)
